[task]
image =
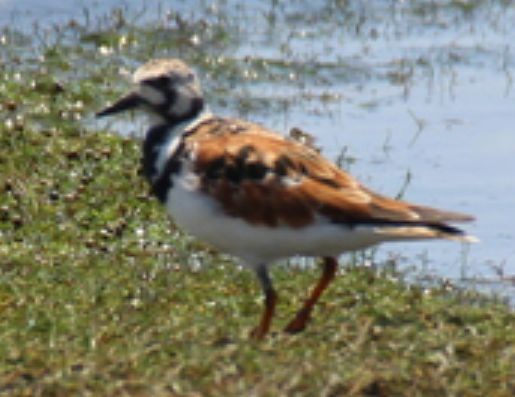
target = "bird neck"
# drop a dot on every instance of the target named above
(164, 137)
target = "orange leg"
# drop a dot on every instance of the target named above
(270, 301)
(298, 324)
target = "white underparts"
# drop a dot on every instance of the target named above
(203, 217)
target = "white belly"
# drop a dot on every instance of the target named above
(204, 218)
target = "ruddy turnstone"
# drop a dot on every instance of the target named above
(257, 195)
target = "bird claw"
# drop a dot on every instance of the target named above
(298, 324)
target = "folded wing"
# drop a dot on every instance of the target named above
(269, 180)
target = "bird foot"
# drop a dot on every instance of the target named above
(298, 324)
(258, 333)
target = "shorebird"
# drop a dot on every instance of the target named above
(252, 193)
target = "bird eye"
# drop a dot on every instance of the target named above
(163, 81)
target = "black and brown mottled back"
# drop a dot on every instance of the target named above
(269, 180)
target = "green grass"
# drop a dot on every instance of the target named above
(100, 295)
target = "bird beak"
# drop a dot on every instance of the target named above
(127, 102)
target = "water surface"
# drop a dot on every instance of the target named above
(418, 90)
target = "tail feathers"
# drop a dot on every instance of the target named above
(433, 215)
(425, 231)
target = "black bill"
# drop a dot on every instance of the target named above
(130, 101)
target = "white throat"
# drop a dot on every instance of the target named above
(174, 137)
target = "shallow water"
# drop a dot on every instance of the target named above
(420, 88)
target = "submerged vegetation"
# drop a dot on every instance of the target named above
(101, 295)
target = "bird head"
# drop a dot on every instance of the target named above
(164, 88)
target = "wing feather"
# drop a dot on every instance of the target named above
(266, 179)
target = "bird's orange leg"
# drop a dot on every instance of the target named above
(298, 324)
(270, 301)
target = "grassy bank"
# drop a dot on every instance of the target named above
(100, 295)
